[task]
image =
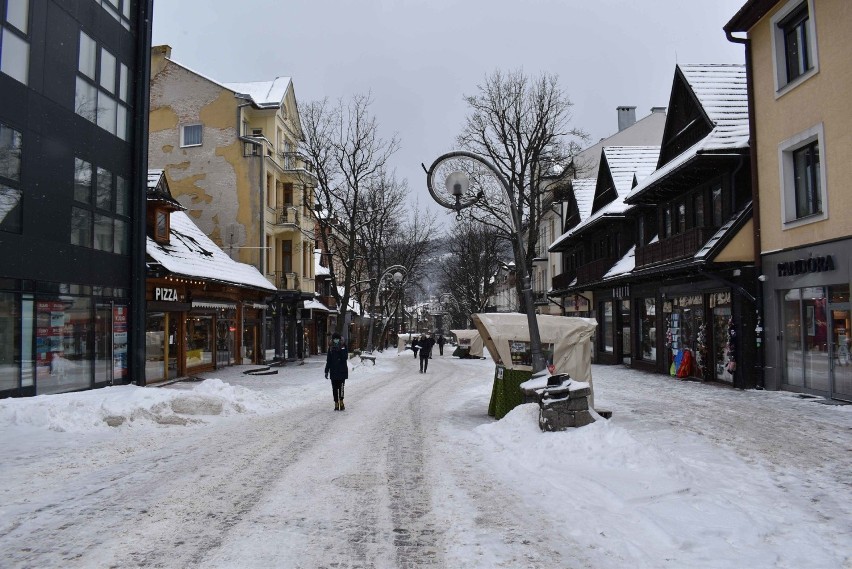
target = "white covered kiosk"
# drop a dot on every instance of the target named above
(566, 343)
(404, 340)
(469, 343)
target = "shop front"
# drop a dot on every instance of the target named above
(56, 338)
(196, 325)
(808, 321)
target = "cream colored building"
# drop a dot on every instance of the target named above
(231, 155)
(800, 69)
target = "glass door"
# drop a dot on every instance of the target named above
(841, 345)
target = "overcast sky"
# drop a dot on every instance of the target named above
(418, 58)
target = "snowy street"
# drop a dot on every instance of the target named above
(259, 471)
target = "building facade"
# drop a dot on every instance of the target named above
(800, 71)
(73, 136)
(230, 152)
(204, 310)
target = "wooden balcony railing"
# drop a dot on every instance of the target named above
(675, 247)
(593, 271)
(329, 301)
(563, 281)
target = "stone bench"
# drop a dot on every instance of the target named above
(368, 358)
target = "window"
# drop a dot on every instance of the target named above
(698, 210)
(14, 44)
(667, 221)
(794, 44)
(101, 204)
(641, 229)
(10, 176)
(803, 177)
(118, 9)
(681, 217)
(102, 93)
(190, 135)
(718, 210)
(161, 226)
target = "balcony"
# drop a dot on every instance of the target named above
(285, 281)
(294, 161)
(329, 301)
(286, 215)
(563, 281)
(595, 270)
(675, 247)
(540, 297)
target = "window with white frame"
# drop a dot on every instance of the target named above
(802, 165)
(794, 44)
(103, 93)
(14, 39)
(190, 135)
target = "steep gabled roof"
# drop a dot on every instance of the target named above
(584, 194)
(158, 190)
(625, 162)
(720, 89)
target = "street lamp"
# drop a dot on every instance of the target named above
(458, 180)
(395, 275)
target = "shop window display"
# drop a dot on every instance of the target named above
(720, 305)
(63, 361)
(648, 328)
(199, 340)
(10, 341)
(607, 328)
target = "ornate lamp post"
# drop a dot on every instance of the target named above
(395, 275)
(458, 180)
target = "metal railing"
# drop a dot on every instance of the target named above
(285, 281)
(286, 215)
(296, 161)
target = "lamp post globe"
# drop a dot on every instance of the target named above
(395, 275)
(458, 180)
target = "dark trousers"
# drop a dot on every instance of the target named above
(337, 389)
(441, 348)
(424, 362)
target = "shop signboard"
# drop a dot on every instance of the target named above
(119, 342)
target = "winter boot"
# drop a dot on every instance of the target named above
(337, 406)
(342, 407)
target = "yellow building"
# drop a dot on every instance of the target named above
(231, 156)
(800, 73)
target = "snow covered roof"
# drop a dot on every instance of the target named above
(624, 265)
(191, 253)
(319, 270)
(316, 305)
(721, 90)
(158, 189)
(627, 162)
(584, 193)
(263, 93)
(615, 208)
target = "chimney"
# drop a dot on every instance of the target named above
(658, 109)
(163, 50)
(626, 117)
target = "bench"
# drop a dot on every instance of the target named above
(368, 358)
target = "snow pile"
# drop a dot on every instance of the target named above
(129, 405)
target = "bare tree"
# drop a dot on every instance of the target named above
(521, 125)
(350, 157)
(475, 251)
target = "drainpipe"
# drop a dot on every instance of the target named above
(755, 200)
(262, 241)
(138, 306)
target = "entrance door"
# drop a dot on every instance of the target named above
(626, 339)
(841, 358)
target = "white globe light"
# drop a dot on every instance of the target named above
(458, 183)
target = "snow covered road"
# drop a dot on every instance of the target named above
(260, 472)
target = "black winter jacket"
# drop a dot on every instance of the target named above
(336, 367)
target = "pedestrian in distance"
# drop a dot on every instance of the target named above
(415, 345)
(337, 368)
(441, 342)
(431, 342)
(424, 353)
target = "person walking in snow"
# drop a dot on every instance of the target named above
(431, 340)
(441, 342)
(337, 366)
(424, 353)
(415, 346)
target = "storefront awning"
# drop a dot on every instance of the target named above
(213, 304)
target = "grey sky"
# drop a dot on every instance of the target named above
(418, 58)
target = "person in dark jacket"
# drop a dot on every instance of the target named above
(424, 353)
(441, 342)
(415, 345)
(431, 342)
(337, 366)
